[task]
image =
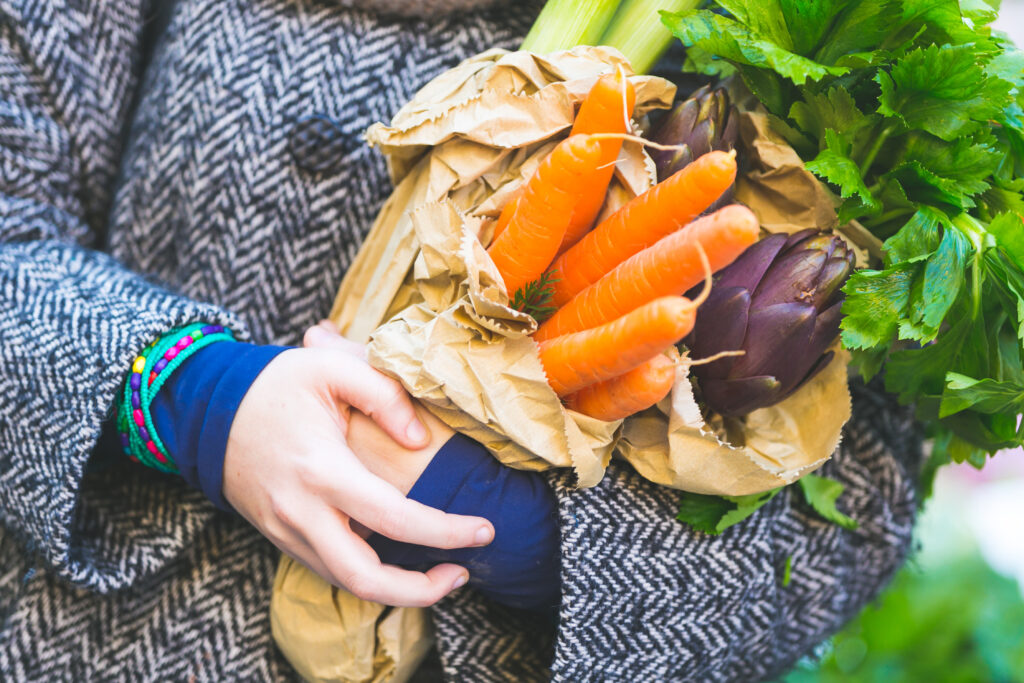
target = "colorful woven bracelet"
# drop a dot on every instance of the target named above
(150, 370)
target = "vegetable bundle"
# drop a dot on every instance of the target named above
(616, 290)
(535, 270)
(912, 113)
(530, 280)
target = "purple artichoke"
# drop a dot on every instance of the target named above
(703, 122)
(779, 303)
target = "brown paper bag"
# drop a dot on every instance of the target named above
(434, 311)
(425, 295)
(330, 636)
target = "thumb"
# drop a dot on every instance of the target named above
(377, 396)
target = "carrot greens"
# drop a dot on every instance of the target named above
(535, 298)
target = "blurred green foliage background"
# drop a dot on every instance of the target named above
(960, 622)
(948, 616)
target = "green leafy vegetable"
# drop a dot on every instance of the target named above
(942, 90)
(875, 303)
(715, 514)
(1008, 229)
(834, 165)
(821, 494)
(731, 40)
(912, 111)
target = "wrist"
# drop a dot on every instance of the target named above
(181, 398)
(150, 370)
(382, 456)
(216, 385)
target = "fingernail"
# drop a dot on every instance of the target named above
(483, 535)
(416, 432)
(460, 581)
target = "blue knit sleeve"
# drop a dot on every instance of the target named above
(520, 567)
(194, 410)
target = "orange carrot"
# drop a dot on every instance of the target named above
(661, 210)
(574, 361)
(606, 109)
(670, 267)
(507, 212)
(629, 393)
(526, 247)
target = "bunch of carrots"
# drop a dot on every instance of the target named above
(609, 348)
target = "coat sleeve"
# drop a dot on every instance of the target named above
(71, 317)
(645, 597)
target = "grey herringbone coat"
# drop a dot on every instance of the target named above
(142, 189)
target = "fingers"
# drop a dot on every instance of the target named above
(324, 335)
(369, 579)
(352, 564)
(379, 506)
(377, 396)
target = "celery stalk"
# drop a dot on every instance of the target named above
(637, 32)
(564, 24)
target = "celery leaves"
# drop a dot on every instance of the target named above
(821, 494)
(912, 111)
(715, 514)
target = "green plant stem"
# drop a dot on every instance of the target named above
(977, 234)
(888, 216)
(564, 24)
(637, 32)
(876, 147)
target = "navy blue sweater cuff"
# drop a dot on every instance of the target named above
(520, 568)
(195, 408)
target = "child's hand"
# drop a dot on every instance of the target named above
(289, 470)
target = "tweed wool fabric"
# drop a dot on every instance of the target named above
(127, 574)
(416, 8)
(645, 598)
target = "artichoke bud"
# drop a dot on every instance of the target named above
(779, 303)
(703, 122)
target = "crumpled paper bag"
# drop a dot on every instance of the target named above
(784, 195)
(330, 636)
(425, 295)
(444, 328)
(466, 355)
(423, 291)
(456, 153)
(471, 136)
(768, 448)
